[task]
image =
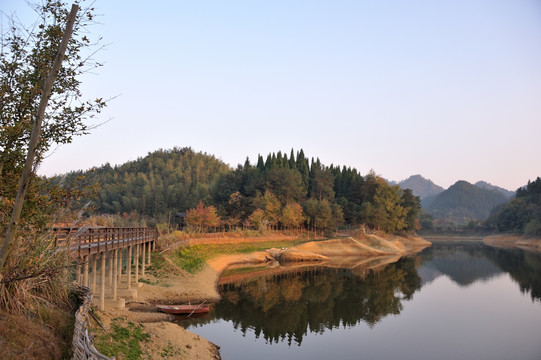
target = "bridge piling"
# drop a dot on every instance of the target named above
(85, 270)
(115, 276)
(110, 254)
(94, 270)
(102, 285)
(105, 252)
(148, 252)
(143, 257)
(137, 265)
(128, 267)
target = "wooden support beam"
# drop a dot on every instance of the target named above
(78, 269)
(128, 266)
(143, 258)
(119, 265)
(102, 285)
(111, 259)
(137, 265)
(115, 271)
(85, 270)
(94, 269)
(149, 251)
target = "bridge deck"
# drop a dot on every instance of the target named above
(86, 240)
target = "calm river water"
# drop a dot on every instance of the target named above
(451, 301)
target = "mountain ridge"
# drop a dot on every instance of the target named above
(463, 202)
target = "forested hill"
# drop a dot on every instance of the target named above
(487, 186)
(522, 214)
(279, 191)
(463, 202)
(158, 185)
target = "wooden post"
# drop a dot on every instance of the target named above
(102, 285)
(143, 245)
(115, 270)
(149, 251)
(128, 266)
(111, 258)
(119, 265)
(85, 270)
(94, 268)
(136, 265)
(78, 270)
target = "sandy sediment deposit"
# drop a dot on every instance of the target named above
(361, 246)
(519, 241)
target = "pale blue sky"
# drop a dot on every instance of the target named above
(447, 89)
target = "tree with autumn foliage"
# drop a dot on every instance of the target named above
(271, 206)
(291, 216)
(202, 217)
(257, 220)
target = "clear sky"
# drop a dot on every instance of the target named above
(450, 90)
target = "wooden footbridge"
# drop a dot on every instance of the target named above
(106, 257)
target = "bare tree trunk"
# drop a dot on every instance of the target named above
(34, 140)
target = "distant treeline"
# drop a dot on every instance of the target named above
(278, 192)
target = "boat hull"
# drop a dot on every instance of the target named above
(183, 309)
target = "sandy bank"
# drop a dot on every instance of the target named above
(518, 241)
(359, 246)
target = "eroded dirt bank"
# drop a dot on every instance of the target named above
(521, 242)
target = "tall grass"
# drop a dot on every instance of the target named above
(36, 272)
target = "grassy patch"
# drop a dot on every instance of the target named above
(122, 341)
(190, 258)
(169, 351)
(193, 258)
(157, 263)
(158, 282)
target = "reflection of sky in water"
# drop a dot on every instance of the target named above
(488, 319)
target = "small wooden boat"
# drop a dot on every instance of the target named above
(184, 309)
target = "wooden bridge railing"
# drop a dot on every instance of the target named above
(93, 240)
(111, 252)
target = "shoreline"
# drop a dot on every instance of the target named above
(178, 286)
(513, 241)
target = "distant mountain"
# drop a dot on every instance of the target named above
(420, 186)
(463, 202)
(488, 186)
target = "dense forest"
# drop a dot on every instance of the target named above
(157, 186)
(522, 214)
(278, 192)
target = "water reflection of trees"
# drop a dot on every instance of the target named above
(524, 267)
(287, 306)
(466, 264)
